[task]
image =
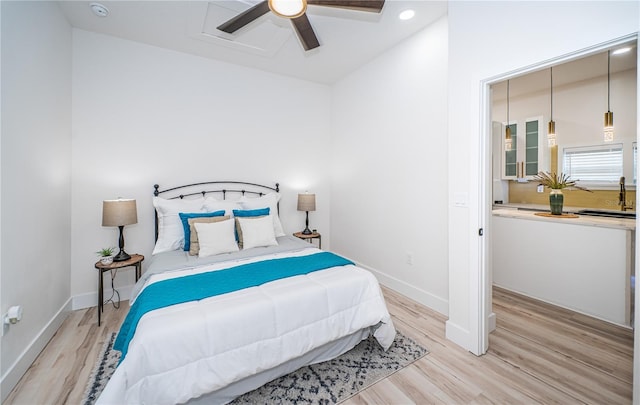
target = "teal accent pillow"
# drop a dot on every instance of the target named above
(187, 229)
(251, 213)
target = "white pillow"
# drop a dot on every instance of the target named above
(216, 237)
(257, 232)
(170, 228)
(268, 200)
(212, 204)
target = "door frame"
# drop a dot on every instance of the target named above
(481, 286)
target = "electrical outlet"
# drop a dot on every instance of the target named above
(540, 188)
(409, 258)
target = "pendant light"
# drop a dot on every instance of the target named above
(551, 133)
(507, 132)
(608, 116)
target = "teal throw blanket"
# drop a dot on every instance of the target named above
(199, 286)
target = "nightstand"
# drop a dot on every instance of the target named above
(135, 261)
(310, 237)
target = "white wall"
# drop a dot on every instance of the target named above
(35, 178)
(389, 177)
(144, 115)
(479, 36)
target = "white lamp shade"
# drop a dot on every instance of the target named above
(306, 202)
(119, 212)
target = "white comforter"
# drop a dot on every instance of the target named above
(187, 350)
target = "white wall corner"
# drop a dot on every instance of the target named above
(32, 350)
(423, 297)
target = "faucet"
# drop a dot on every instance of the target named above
(622, 198)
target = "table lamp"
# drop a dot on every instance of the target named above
(119, 213)
(306, 202)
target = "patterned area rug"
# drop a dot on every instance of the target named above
(329, 382)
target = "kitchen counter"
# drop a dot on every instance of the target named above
(528, 213)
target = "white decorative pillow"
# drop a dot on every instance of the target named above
(194, 247)
(257, 231)
(268, 200)
(216, 238)
(212, 204)
(170, 227)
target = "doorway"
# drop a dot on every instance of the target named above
(487, 182)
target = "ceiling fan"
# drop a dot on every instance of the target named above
(295, 10)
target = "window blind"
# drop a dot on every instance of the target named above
(597, 164)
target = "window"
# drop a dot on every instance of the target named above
(594, 164)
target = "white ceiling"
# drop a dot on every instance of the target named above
(574, 71)
(348, 38)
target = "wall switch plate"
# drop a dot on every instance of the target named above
(461, 200)
(540, 188)
(409, 258)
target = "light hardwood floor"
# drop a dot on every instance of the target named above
(537, 354)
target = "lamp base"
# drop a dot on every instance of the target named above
(121, 256)
(307, 231)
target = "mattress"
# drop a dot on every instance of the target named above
(222, 346)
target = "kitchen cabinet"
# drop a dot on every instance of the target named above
(528, 153)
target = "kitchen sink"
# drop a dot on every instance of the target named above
(608, 213)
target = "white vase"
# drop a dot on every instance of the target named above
(106, 260)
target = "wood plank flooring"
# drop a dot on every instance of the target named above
(537, 354)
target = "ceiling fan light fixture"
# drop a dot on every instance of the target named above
(288, 8)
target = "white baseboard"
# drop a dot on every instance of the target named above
(457, 335)
(492, 322)
(423, 297)
(31, 352)
(89, 300)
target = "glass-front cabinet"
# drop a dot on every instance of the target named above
(524, 155)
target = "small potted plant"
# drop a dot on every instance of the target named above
(556, 183)
(106, 255)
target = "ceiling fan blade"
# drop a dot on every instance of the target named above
(305, 32)
(374, 6)
(245, 18)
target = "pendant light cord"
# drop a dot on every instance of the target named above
(507, 103)
(609, 80)
(551, 93)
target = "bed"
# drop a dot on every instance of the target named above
(208, 322)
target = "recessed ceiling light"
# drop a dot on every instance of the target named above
(407, 14)
(621, 50)
(99, 10)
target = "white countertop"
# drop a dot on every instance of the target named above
(585, 220)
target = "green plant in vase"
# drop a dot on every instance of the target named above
(556, 182)
(106, 255)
